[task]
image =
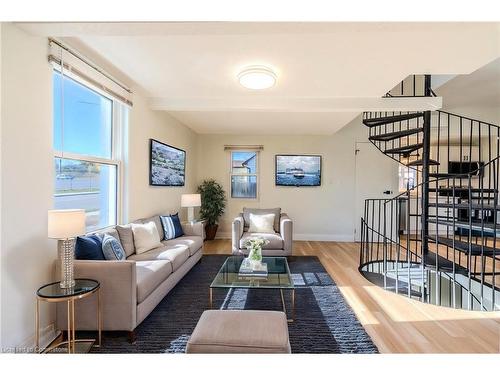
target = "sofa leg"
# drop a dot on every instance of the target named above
(132, 337)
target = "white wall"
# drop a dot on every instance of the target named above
(145, 200)
(27, 182)
(319, 213)
(27, 179)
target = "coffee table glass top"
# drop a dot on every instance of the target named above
(278, 275)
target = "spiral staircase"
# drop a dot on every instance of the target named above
(439, 240)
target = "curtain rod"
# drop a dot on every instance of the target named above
(79, 73)
(243, 147)
(89, 63)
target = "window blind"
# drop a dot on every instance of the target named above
(79, 65)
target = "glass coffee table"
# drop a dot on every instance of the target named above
(278, 277)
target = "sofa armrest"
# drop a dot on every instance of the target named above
(286, 231)
(236, 233)
(195, 229)
(118, 296)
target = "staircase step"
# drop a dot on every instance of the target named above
(465, 206)
(489, 228)
(404, 149)
(394, 135)
(420, 162)
(371, 122)
(446, 175)
(443, 264)
(464, 246)
(460, 191)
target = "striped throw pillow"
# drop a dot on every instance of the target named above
(171, 226)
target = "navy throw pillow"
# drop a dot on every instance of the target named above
(89, 248)
(112, 248)
(171, 226)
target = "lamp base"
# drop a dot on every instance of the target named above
(191, 215)
(66, 250)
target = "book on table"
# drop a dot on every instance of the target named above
(248, 269)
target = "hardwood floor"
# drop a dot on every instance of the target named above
(395, 323)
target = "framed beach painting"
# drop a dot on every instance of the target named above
(167, 165)
(298, 170)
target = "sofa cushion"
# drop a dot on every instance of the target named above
(177, 255)
(150, 274)
(145, 237)
(89, 247)
(112, 248)
(172, 227)
(126, 238)
(110, 230)
(156, 219)
(193, 242)
(275, 240)
(262, 211)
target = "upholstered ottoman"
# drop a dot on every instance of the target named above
(240, 331)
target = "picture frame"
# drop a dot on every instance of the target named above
(298, 170)
(167, 165)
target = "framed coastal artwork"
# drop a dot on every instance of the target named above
(298, 170)
(167, 165)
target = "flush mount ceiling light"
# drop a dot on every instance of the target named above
(257, 77)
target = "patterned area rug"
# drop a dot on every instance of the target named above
(324, 322)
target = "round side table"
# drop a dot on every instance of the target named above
(54, 293)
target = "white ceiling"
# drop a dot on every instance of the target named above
(481, 88)
(189, 69)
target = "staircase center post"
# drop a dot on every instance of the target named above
(426, 151)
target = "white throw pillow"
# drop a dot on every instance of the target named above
(261, 223)
(146, 237)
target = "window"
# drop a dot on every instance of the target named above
(243, 174)
(407, 178)
(86, 159)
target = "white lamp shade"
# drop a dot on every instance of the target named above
(64, 224)
(190, 200)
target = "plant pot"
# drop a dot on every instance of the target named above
(210, 231)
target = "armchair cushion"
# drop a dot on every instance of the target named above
(262, 211)
(261, 223)
(275, 240)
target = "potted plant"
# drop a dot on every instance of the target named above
(213, 204)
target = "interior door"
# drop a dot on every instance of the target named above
(376, 177)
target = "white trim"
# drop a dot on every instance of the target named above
(323, 237)
(47, 335)
(256, 103)
(305, 237)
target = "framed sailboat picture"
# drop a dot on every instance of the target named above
(298, 170)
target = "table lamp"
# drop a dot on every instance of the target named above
(65, 225)
(191, 201)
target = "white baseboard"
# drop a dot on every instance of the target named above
(305, 237)
(323, 237)
(47, 335)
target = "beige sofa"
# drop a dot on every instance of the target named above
(131, 288)
(280, 242)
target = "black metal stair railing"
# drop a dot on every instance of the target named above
(391, 256)
(455, 260)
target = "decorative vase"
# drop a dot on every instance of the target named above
(255, 255)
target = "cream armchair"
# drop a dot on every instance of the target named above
(280, 243)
